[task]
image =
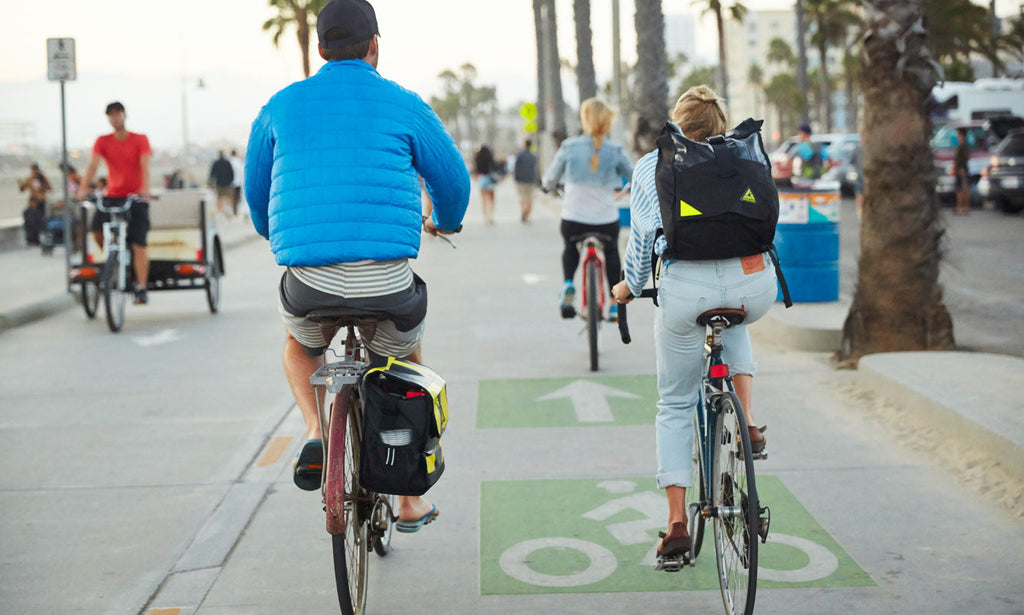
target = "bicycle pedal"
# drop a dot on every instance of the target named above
(764, 520)
(761, 455)
(672, 563)
(568, 311)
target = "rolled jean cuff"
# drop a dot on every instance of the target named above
(749, 369)
(677, 478)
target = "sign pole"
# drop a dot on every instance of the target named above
(67, 199)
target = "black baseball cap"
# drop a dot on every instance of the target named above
(115, 106)
(355, 17)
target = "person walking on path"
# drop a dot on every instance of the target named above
(127, 157)
(811, 156)
(688, 288)
(525, 174)
(593, 169)
(37, 186)
(238, 173)
(962, 175)
(331, 180)
(485, 172)
(221, 177)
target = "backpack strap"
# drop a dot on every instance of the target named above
(723, 156)
(774, 253)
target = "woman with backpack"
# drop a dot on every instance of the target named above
(593, 169)
(687, 289)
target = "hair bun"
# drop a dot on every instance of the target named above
(704, 94)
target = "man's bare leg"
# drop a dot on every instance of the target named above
(141, 257)
(298, 368)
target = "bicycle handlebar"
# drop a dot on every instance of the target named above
(118, 209)
(647, 293)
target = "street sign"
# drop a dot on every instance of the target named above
(528, 111)
(530, 126)
(60, 59)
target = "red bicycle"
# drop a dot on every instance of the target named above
(593, 284)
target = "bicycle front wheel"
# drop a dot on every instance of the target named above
(593, 311)
(351, 546)
(114, 299)
(696, 495)
(735, 507)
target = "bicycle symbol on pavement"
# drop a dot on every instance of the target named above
(613, 544)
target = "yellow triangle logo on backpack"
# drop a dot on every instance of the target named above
(685, 209)
(748, 196)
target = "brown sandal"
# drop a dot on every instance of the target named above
(757, 439)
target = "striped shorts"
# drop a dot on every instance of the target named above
(397, 337)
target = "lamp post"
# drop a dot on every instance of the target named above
(184, 122)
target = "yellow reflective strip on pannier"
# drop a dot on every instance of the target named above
(430, 464)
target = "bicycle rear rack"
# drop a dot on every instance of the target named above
(336, 375)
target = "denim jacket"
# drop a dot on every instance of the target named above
(572, 164)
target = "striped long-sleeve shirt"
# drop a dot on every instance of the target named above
(644, 220)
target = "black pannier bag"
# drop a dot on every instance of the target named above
(405, 411)
(717, 198)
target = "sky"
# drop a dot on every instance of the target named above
(152, 54)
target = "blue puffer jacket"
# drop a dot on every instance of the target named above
(332, 164)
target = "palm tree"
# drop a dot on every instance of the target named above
(301, 13)
(897, 303)
(585, 78)
(651, 99)
(783, 92)
(737, 11)
(957, 30)
(755, 77)
(554, 74)
(833, 19)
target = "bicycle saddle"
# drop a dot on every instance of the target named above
(344, 317)
(733, 316)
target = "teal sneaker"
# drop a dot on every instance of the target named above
(613, 313)
(568, 294)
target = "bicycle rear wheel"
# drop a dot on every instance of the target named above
(113, 295)
(593, 310)
(90, 298)
(735, 508)
(351, 546)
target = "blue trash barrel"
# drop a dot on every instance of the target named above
(807, 238)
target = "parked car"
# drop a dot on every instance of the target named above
(1005, 173)
(845, 167)
(944, 143)
(782, 157)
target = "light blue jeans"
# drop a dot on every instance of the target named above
(689, 288)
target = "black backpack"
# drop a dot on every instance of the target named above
(720, 201)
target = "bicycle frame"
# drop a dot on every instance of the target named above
(707, 418)
(593, 248)
(115, 236)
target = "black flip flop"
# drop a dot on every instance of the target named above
(309, 465)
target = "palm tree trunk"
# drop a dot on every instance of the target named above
(554, 73)
(542, 90)
(826, 87)
(302, 32)
(723, 68)
(801, 58)
(897, 304)
(651, 100)
(585, 77)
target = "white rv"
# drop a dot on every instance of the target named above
(958, 101)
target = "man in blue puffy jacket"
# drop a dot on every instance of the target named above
(331, 177)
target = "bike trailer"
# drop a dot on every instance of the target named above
(405, 412)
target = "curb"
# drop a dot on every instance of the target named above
(54, 305)
(939, 410)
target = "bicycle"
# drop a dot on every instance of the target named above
(116, 276)
(724, 489)
(356, 518)
(594, 297)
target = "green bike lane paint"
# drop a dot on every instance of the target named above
(600, 535)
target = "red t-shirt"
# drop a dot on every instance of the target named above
(124, 162)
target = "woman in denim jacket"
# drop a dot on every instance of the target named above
(592, 169)
(687, 289)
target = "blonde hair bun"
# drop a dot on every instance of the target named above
(703, 93)
(699, 114)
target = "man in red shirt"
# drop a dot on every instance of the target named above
(127, 156)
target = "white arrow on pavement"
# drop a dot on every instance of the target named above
(589, 400)
(161, 337)
(533, 278)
